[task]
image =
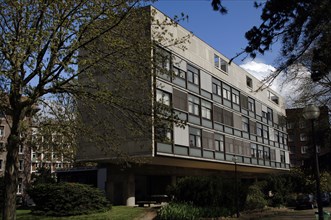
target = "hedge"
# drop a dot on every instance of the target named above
(65, 199)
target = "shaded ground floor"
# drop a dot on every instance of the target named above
(148, 184)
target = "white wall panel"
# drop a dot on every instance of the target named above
(181, 136)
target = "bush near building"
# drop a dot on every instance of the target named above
(65, 199)
(209, 196)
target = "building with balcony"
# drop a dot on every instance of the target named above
(226, 116)
(300, 138)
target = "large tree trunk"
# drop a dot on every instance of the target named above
(11, 172)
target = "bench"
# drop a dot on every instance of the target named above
(160, 198)
(143, 203)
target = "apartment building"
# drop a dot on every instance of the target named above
(226, 119)
(51, 152)
(30, 157)
(24, 168)
(300, 138)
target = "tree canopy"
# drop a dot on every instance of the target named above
(302, 27)
(42, 57)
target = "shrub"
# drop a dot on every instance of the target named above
(187, 211)
(66, 199)
(200, 191)
(178, 211)
(255, 198)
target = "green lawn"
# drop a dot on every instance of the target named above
(117, 213)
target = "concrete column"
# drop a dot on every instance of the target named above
(109, 186)
(130, 190)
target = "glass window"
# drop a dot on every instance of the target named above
(282, 156)
(249, 82)
(266, 153)
(273, 154)
(216, 61)
(163, 97)
(227, 117)
(162, 59)
(272, 97)
(235, 97)
(220, 63)
(302, 123)
(229, 145)
(218, 114)
(224, 65)
(195, 137)
(20, 186)
(260, 151)
(265, 132)
(253, 150)
(259, 129)
(217, 90)
(303, 137)
(20, 149)
(20, 165)
(163, 133)
(179, 73)
(219, 142)
(270, 115)
(194, 105)
(206, 109)
(245, 124)
(251, 104)
(208, 140)
(192, 75)
(2, 131)
(304, 149)
(226, 92)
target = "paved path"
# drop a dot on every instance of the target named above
(308, 214)
(276, 214)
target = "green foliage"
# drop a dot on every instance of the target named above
(201, 191)
(43, 175)
(183, 211)
(326, 182)
(214, 195)
(66, 199)
(178, 211)
(255, 198)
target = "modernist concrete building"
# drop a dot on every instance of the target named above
(225, 118)
(300, 141)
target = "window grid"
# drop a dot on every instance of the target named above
(194, 105)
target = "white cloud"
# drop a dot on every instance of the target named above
(261, 71)
(289, 89)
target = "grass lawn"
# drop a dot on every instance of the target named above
(117, 213)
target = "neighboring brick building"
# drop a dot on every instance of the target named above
(24, 166)
(300, 138)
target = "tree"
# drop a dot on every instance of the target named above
(42, 50)
(302, 27)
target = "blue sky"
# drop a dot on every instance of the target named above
(225, 33)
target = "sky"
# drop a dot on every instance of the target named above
(225, 33)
